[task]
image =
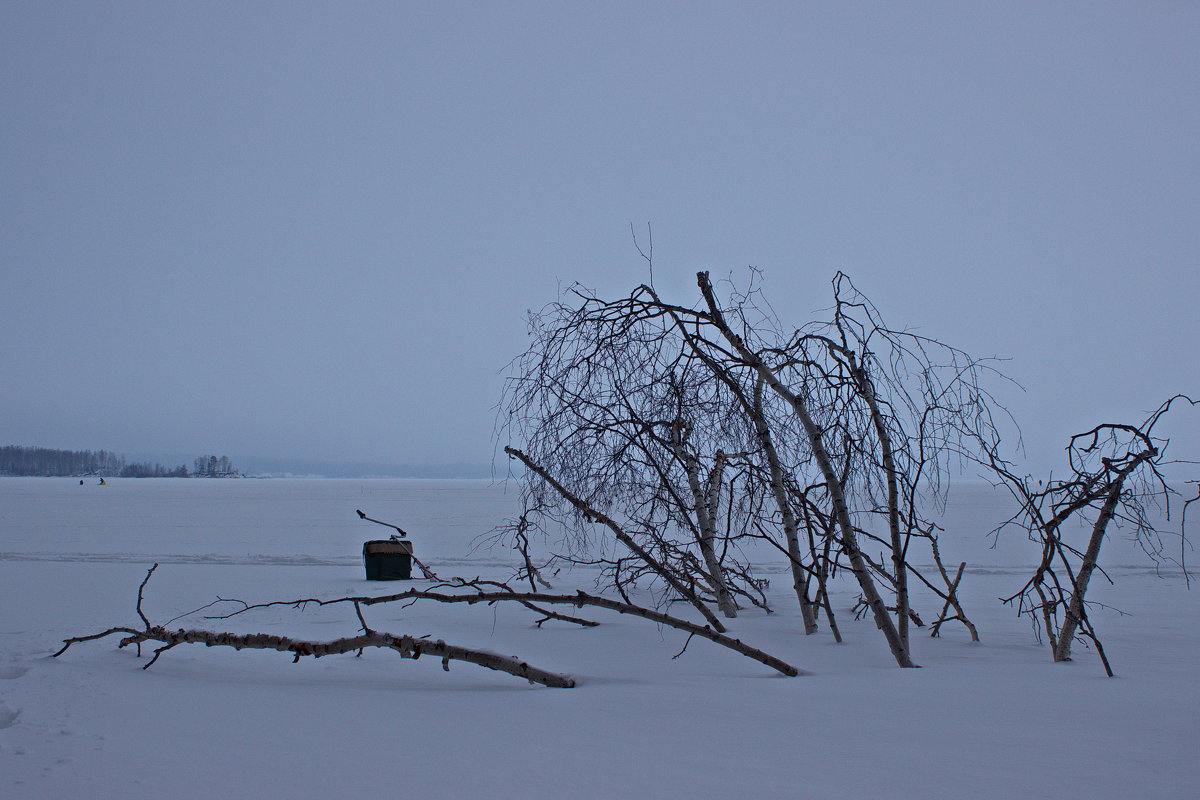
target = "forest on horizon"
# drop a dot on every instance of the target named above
(20, 461)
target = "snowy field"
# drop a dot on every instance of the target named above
(989, 720)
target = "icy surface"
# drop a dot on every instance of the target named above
(988, 720)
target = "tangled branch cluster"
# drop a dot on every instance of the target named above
(688, 432)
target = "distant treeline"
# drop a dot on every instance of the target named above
(44, 462)
(213, 467)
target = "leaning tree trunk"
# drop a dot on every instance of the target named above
(791, 526)
(658, 568)
(887, 456)
(704, 500)
(1075, 610)
(847, 536)
(754, 410)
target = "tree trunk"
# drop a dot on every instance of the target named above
(625, 539)
(847, 536)
(791, 526)
(867, 389)
(808, 609)
(406, 646)
(1074, 615)
(704, 504)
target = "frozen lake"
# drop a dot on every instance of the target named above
(993, 719)
(250, 521)
(312, 522)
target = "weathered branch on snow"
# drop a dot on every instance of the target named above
(407, 646)
(579, 599)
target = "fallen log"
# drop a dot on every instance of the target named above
(407, 646)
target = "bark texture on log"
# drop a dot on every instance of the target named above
(407, 646)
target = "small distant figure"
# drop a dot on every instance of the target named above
(81, 481)
(102, 483)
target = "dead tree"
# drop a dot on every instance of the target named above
(623, 427)
(1114, 475)
(407, 646)
(636, 406)
(454, 592)
(881, 412)
(801, 401)
(472, 592)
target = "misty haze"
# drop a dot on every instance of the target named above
(589, 401)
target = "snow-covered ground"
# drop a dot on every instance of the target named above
(989, 720)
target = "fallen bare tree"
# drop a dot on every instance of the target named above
(473, 592)
(407, 646)
(489, 592)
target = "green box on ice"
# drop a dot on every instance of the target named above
(388, 560)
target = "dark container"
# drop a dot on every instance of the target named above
(388, 560)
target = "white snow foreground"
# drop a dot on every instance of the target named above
(989, 720)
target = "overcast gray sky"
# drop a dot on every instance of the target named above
(312, 230)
